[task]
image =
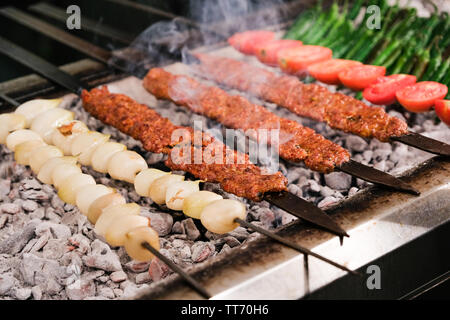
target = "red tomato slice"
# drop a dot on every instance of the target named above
(420, 97)
(248, 41)
(442, 108)
(382, 92)
(297, 60)
(268, 52)
(328, 71)
(360, 77)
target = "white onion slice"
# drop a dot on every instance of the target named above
(157, 191)
(45, 122)
(46, 171)
(116, 232)
(177, 192)
(63, 135)
(218, 216)
(25, 149)
(17, 137)
(84, 144)
(10, 122)
(104, 152)
(72, 185)
(62, 171)
(134, 239)
(194, 204)
(89, 194)
(33, 108)
(125, 165)
(41, 155)
(96, 208)
(144, 180)
(112, 213)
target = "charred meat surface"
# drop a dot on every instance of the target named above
(307, 100)
(296, 142)
(215, 163)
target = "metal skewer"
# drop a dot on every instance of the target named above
(284, 200)
(293, 245)
(194, 284)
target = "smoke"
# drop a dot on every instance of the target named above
(207, 22)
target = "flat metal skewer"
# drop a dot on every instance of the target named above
(293, 245)
(194, 284)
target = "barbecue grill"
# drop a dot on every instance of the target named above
(404, 236)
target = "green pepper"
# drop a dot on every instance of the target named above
(331, 20)
(442, 72)
(435, 60)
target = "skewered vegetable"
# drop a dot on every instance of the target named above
(158, 188)
(90, 193)
(17, 137)
(33, 108)
(442, 108)
(96, 208)
(116, 232)
(328, 70)
(63, 136)
(268, 52)
(72, 185)
(124, 165)
(103, 153)
(41, 155)
(248, 42)
(44, 123)
(297, 60)
(10, 122)
(112, 213)
(25, 149)
(383, 91)
(177, 193)
(144, 180)
(219, 216)
(62, 171)
(46, 171)
(360, 77)
(194, 204)
(421, 96)
(84, 144)
(134, 239)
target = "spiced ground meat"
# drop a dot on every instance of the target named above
(296, 142)
(307, 100)
(241, 178)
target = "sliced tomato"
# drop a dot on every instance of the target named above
(382, 92)
(360, 77)
(328, 71)
(268, 52)
(247, 42)
(297, 60)
(442, 108)
(420, 97)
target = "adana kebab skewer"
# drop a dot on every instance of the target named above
(313, 101)
(98, 202)
(297, 143)
(126, 108)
